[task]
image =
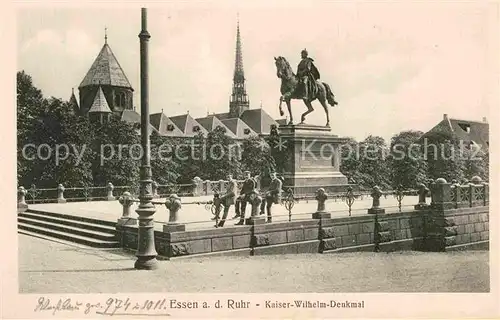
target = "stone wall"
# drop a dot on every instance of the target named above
(457, 218)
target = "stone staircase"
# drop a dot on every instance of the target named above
(84, 231)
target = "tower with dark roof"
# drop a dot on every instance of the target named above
(238, 102)
(99, 110)
(107, 74)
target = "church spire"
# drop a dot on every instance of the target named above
(239, 99)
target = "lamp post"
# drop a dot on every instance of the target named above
(146, 253)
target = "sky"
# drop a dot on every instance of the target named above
(392, 67)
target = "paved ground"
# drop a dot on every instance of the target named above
(51, 267)
(197, 217)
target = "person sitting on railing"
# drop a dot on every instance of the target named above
(249, 186)
(226, 200)
(272, 196)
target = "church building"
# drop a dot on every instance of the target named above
(105, 90)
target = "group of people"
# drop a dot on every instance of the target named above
(240, 198)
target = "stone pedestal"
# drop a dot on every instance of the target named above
(123, 221)
(253, 220)
(314, 156)
(376, 211)
(174, 227)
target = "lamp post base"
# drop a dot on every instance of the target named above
(146, 263)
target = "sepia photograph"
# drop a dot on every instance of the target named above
(318, 150)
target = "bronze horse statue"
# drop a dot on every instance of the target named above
(290, 89)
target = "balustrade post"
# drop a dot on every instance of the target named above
(258, 179)
(22, 206)
(376, 194)
(222, 185)
(486, 193)
(154, 188)
(126, 200)
(110, 187)
(441, 194)
(197, 186)
(475, 187)
(60, 194)
(456, 195)
(256, 217)
(321, 197)
(423, 191)
(209, 189)
(173, 204)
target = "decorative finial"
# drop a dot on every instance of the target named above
(161, 110)
(105, 35)
(72, 90)
(261, 104)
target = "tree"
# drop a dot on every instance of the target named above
(442, 152)
(221, 156)
(278, 149)
(350, 163)
(50, 140)
(163, 165)
(117, 153)
(256, 158)
(407, 164)
(373, 169)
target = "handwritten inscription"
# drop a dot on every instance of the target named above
(115, 306)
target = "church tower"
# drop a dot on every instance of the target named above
(238, 102)
(106, 75)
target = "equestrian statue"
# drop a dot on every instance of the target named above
(305, 85)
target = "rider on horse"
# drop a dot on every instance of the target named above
(307, 74)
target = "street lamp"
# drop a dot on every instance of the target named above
(146, 252)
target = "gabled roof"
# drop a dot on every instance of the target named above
(465, 130)
(238, 127)
(478, 131)
(259, 120)
(106, 70)
(186, 124)
(162, 123)
(100, 104)
(130, 116)
(211, 122)
(74, 102)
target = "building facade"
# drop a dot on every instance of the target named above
(106, 90)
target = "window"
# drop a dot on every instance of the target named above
(465, 127)
(120, 100)
(196, 128)
(246, 131)
(170, 127)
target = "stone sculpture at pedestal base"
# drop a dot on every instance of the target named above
(313, 159)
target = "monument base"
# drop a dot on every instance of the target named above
(314, 156)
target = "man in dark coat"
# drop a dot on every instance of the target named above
(227, 200)
(307, 74)
(249, 186)
(272, 196)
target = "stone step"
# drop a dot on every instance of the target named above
(52, 239)
(81, 230)
(73, 217)
(68, 221)
(91, 242)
